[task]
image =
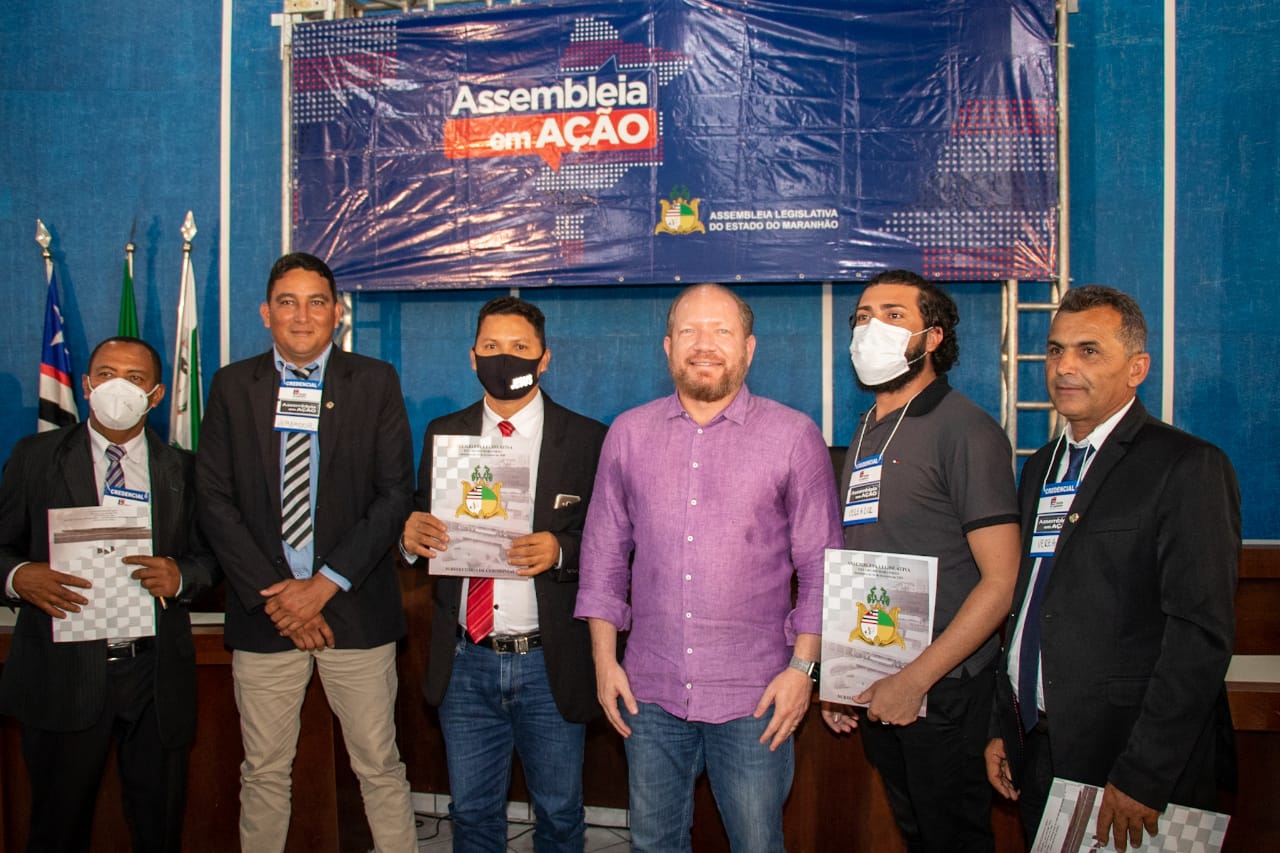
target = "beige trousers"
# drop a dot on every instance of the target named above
(360, 685)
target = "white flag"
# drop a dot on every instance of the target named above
(184, 394)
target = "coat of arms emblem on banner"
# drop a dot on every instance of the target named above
(680, 213)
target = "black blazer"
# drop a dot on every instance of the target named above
(363, 495)
(62, 686)
(1138, 620)
(567, 465)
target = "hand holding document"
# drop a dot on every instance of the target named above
(480, 489)
(91, 543)
(1071, 817)
(877, 618)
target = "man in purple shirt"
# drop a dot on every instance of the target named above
(722, 497)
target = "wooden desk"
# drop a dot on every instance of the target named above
(836, 803)
(213, 788)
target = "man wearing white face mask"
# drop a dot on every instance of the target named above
(944, 488)
(74, 698)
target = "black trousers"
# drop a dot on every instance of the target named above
(66, 770)
(1037, 779)
(933, 771)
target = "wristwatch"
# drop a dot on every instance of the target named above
(808, 667)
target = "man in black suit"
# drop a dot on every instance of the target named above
(1123, 621)
(305, 478)
(74, 698)
(510, 666)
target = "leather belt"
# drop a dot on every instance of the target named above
(125, 651)
(518, 644)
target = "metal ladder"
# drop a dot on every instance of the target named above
(1012, 404)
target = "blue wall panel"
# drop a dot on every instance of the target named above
(1116, 86)
(1228, 343)
(255, 171)
(110, 117)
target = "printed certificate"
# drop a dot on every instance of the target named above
(480, 490)
(91, 542)
(1071, 817)
(877, 616)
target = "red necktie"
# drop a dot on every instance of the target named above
(480, 591)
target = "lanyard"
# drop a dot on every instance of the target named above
(1058, 453)
(862, 433)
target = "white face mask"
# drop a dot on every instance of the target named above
(879, 351)
(119, 404)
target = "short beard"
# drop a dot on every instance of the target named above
(728, 385)
(915, 364)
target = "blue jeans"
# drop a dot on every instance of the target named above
(494, 703)
(665, 756)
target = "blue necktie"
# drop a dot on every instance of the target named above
(1029, 653)
(115, 474)
(295, 500)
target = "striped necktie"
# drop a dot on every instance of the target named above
(1029, 653)
(480, 590)
(115, 473)
(295, 493)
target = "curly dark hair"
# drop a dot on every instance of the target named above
(936, 307)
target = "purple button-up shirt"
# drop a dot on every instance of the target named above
(720, 517)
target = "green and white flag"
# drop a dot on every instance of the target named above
(128, 307)
(184, 392)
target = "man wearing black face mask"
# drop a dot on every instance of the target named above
(510, 666)
(75, 698)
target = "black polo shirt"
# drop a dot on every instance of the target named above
(948, 471)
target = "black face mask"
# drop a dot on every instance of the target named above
(507, 377)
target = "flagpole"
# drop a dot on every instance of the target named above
(55, 401)
(185, 393)
(128, 325)
(188, 234)
(44, 238)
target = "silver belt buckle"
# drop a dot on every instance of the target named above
(521, 645)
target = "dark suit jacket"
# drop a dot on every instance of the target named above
(567, 465)
(1138, 621)
(62, 686)
(362, 497)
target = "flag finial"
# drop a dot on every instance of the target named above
(189, 227)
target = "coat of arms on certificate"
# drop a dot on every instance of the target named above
(480, 490)
(877, 616)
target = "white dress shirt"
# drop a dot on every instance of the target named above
(1094, 441)
(515, 604)
(137, 477)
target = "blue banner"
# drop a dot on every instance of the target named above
(670, 141)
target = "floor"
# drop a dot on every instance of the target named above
(435, 835)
